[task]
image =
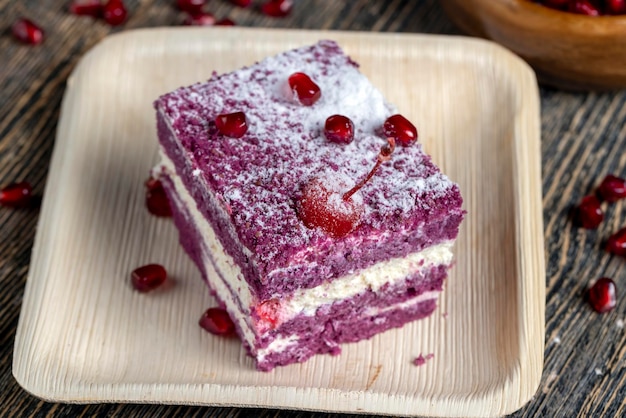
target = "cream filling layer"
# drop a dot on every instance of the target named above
(303, 301)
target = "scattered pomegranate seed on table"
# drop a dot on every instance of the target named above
(401, 129)
(241, 3)
(114, 12)
(27, 31)
(217, 321)
(589, 214)
(339, 129)
(16, 194)
(616, 244)
(148, 277)
(602, 295)
(191, 6)
(304, 88)
(156, 199)
(225, 22)
(612, 188)
(201, 19)
(233, 125)
(277, 8)
(93, 8)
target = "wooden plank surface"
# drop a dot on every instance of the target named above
(584, 138)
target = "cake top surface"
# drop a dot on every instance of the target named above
(259, 177)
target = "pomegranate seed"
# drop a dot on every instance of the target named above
(217, 321)
(602, 295)
(191, 6)
(616, 7)
(225, 22)
(91, 8)
(277, 8)
(241, 3)
(114, 12)
(612, 188)
(148, 277)
(156, 199)
(399, 128)
(202, 19)
(302, 86)
(616, 244)
(322, 208)
(27, 31)
(339, 129)
(233, 125)
(16, 194)
(589, 214)
(583, 7)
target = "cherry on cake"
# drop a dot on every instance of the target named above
(307, 202)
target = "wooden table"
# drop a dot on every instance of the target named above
(583, 138)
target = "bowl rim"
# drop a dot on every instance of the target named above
(539, 17)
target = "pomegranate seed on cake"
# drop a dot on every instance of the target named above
(307, 242)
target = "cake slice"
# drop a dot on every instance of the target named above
(275, 208)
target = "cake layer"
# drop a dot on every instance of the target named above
(247, 187)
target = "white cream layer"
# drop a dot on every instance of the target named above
(305, 301)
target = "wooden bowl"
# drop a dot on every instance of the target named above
(566, 50)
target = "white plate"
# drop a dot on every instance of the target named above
(85, 336)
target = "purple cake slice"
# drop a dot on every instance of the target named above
(293, 285)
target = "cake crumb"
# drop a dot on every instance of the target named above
(421, 360)
(620, 323)
(598, 372)
(445, 315)
(556, 340)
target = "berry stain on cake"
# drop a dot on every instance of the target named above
(306, 220)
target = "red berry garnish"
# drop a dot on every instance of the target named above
(225, 22)
(321, 207)
(200, 19)
(27, 31)
(277, 8)
(191, 6)
(335, 213)
(589, 214)
(16, 194)
(241, 3)
(583, 7)
(114, 12)
(602, 295)
(156, 199)
(339, 129)
(616, 244)
(217, 321)
(148, 277)
(302, 86)
(612, 188)
(616, 7)
(401, 129)
(233, 125)
(91, 8)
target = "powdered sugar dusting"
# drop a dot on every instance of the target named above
(261, 175)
